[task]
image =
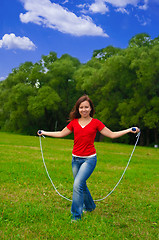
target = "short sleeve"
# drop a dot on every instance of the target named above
(70, 126)
(100, 125)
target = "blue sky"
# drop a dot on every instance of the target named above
(32, 28)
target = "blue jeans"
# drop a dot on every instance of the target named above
(82, 169)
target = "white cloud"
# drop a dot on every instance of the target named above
(101, 6)
(145, 6)
(10, 41)
(2, 78)
(84, 8)
(122, 10)
(65, 1)
(122, 3)
(43, 12)
(142, 20)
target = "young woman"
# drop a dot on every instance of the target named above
(84, 158)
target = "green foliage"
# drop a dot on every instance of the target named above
(40, 103)
(140, 40)
(32, 94)
(16, 107)
(123, 84)
(49, 59)
(104, 53)
(87, 76)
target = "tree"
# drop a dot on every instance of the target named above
(123, 84)
(61, 79)
(140, 40)
(44, 106)
(18, 117)
(141, 108)
(86, 76)
(48, 60)
(105, 53)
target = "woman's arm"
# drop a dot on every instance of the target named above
(59, 134)
(108, 133)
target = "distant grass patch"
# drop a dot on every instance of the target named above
(31, 209)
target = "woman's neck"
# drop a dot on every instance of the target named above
(85, 119)
(83, 122)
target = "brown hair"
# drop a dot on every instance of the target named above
(75, 111)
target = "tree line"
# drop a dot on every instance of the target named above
(123, 84)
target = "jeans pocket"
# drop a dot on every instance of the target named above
(92, 160)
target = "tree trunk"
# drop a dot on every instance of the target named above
(156, 135)
(147, 137)
(142, 139)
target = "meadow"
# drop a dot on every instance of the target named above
(31, 209)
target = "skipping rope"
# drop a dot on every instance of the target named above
(97, 200)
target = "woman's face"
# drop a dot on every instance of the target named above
(85, 109)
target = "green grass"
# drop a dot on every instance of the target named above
(31, 209)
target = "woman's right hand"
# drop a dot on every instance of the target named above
(40, 132)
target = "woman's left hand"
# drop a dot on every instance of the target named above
(135, 130)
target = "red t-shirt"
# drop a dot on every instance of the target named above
(84, 136)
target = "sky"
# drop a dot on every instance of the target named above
(32, 28)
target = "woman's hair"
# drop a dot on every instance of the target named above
(75, 111)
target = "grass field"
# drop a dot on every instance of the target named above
(31, 209)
